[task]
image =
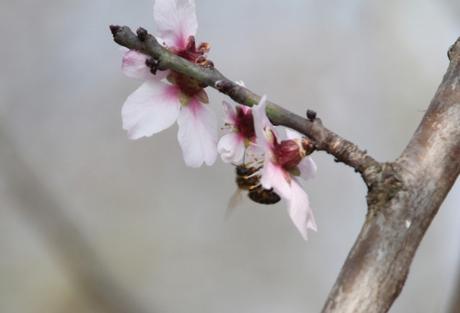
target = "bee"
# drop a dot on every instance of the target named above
(248, 178)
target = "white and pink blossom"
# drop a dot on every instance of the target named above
(232, 146)
(168, 96)
(284, 162)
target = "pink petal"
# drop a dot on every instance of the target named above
(275, 177)
(133, 65)
(299, 210)
(230, 112)
(175, 21)
(154, 106)
(261, 124)
(197, 134)
(231, 148)
(307, 168)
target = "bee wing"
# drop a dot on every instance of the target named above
(234, 202)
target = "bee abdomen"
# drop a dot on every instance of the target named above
(248, 179)
(263, 196)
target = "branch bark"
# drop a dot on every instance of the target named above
(402, 205)
(403, 196)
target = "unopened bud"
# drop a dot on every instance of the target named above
(289, 153)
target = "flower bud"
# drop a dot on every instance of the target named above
(289, 153)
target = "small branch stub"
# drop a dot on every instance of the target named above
(141, 34)
(311, 115)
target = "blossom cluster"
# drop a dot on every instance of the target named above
(168, 96)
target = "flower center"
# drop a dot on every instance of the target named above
(244, 123)
(193, 53)
(189, 86)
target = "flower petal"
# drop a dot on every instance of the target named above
(154, 106)
(307, 168)
(230, 112)
(197, 134)
(299, 210)
(292, 134)
(262, 124)
(275, 177)
(175, 21)
(133, 65)
(231, 148)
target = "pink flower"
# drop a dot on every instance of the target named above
(158, 103)
(284, 162)
(239, 120)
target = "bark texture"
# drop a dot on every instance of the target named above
(402, 203)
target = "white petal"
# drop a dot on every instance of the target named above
(298, 204)
(133, 65)
(275, 177)
(299, 210)
(292, 134)
(307, 168)
(197, 134)
(261, 124)
(154, 106)
(230, 112)
(231, 148)
(280, 133)
(175, 21)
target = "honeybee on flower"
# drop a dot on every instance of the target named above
(285, 160)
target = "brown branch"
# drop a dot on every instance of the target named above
(403, 197)
(403, 204)
(323, 138)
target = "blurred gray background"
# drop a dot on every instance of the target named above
(369, 68)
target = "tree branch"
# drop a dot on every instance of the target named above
(323, 138)
(403, 196)
(403, 204)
